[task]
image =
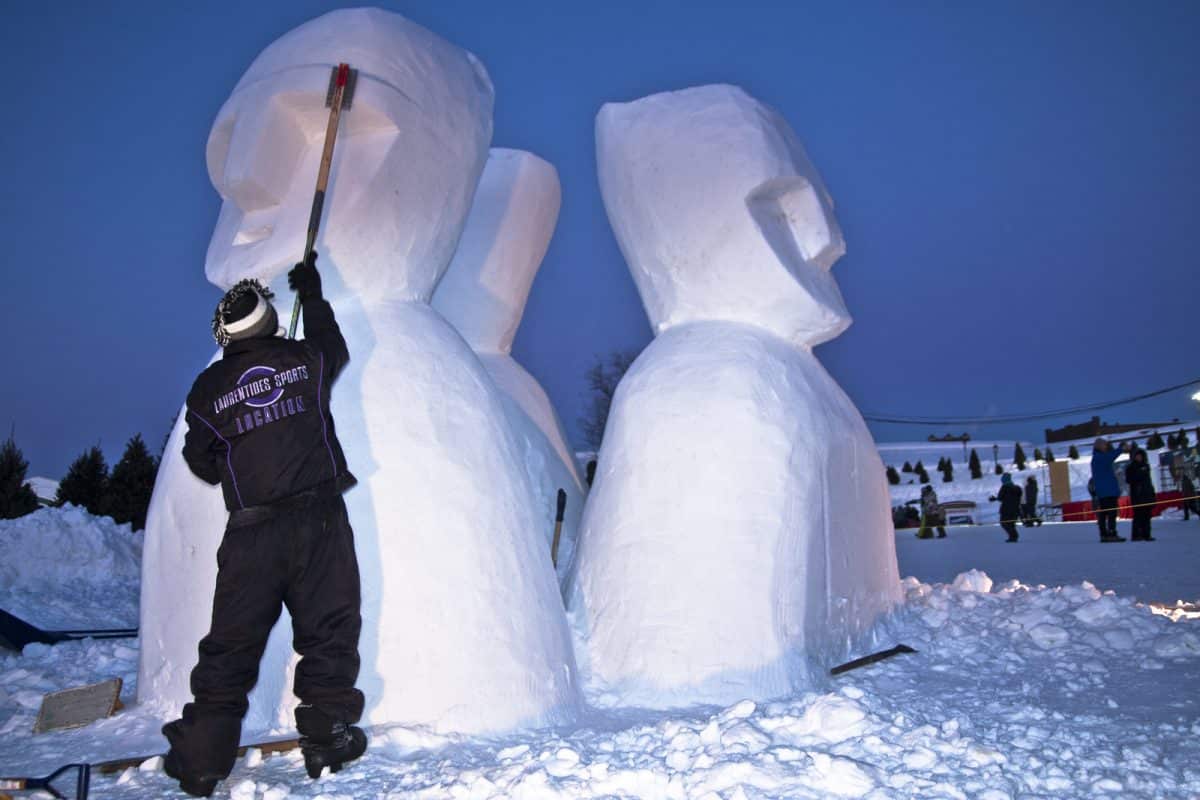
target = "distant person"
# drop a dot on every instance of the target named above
(1108, 490)
(932, 515)
(1009, 498)
(1029, 515)
(1141, 495)
(1191, 504)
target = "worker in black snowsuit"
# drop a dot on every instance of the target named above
(1009, 497)
(259, 424)
(1029, 515)
(1141, 496)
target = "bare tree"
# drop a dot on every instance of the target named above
(603, 377)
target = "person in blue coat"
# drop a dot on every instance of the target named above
(1108, 490)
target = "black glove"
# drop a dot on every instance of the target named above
(304, 279)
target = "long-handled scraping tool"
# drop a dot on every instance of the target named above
(558, 521)
(339, 96)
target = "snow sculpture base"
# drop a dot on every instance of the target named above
(463, 626)
(737, 539)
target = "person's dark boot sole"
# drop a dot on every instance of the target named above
(335, 756)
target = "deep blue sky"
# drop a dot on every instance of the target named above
(1019, 185)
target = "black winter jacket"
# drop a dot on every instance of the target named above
(1141, 487)
(1010, 502)
(259, 421)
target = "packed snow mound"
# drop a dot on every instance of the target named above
(463, 623)
(65, 568)
(737, 539)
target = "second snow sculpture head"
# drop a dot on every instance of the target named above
(392, 221)
(720, 214)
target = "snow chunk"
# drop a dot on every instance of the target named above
(1049, 636)
(973, 581)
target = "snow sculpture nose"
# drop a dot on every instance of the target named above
(252, 156)
(796, 218)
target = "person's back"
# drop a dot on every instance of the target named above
(259, 416)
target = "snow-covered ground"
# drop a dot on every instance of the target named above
(1065, 690)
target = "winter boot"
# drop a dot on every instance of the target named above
(1112, 538)
(196, 786)
(346, 743)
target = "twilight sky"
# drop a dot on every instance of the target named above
(1018, 183)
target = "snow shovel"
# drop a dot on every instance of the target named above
(82, 780)
(558, 521)
(339, 96)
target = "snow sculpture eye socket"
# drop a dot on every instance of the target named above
(795, 222)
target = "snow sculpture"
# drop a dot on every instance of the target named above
(463, 625)
(737, 538)
(483, 295)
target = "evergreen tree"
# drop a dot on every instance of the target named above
(999, 470)
(1073, 452)
(941, 467)
(907, 467)
(603, 378)
(1037, 454)
(86, 482)
(893, 476)
(1049, 454)
(131, 484)
(948, 472)
(1155, 442)
(17, 497)
(1182, 440)
(1019, 457)
(973, 465)
(1171, 441)
(922, 475)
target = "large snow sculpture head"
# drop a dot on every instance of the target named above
(399, 191)
(719, 213)
(484, 291)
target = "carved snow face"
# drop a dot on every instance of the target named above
(719, 213)
(483, 293)
(409, 152)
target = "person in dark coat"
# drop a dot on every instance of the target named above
(1029, 516)
(259, 425)
(1009, 498)
(1191, 504)
(1108, 490)
(1141, 495)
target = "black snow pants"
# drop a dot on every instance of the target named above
(1106, 517)
(1141, 523)
(298, 553)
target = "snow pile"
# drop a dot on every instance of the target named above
(463, 623)
(66, 569)
(1066, 692)
(737, 538)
